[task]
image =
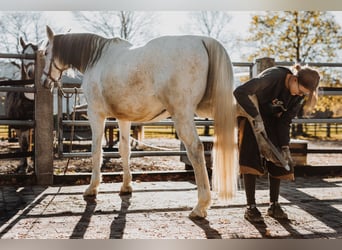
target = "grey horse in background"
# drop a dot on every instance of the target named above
(20, 106)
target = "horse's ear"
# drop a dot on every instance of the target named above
(22, 42)
(49, 33)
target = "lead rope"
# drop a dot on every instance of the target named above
(76, 94)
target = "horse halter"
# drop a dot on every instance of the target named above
(48, 74)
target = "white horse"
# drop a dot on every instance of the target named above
(177, 76)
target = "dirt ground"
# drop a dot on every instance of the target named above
(9, 166)
(160, 163)
(159, 210)
(61, 212)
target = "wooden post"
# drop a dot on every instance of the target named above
(261, 64)
(43, 127)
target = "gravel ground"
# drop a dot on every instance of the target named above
(159, 210)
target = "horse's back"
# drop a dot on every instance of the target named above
(167, 74)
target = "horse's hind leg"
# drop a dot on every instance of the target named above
(97, 124)
(124, 149)
(186, 131)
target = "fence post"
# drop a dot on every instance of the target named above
(261, 64)
(43, 127)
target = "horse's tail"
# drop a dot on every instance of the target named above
(221, 85)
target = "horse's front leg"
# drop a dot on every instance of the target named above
(125, 151)
(97, 124)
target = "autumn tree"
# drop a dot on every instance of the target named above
(298, 36)
(129, 25)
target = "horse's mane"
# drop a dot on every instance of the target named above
(79, 50)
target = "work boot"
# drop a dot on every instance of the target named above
(252, 214)
(276, 211)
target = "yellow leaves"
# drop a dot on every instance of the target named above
(326, 103)
(255, 19)
(272, 21)
(310, 33)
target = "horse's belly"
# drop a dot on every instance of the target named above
(136, 111)
(143, 118)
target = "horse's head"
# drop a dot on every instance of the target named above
(27, 65)
(52, 72)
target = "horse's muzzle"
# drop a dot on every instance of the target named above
(47, 84)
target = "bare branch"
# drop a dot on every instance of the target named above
(128, 25)
(210, 23)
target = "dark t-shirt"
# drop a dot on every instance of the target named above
(276, 104)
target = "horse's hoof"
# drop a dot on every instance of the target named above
(90, 192)
(196, 214)
(125, 193)
(90, 198)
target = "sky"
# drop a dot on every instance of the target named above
(170, 22)
(174, 23)
(167, 22)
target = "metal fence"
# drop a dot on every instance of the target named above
(44, 124)
(43, 121)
